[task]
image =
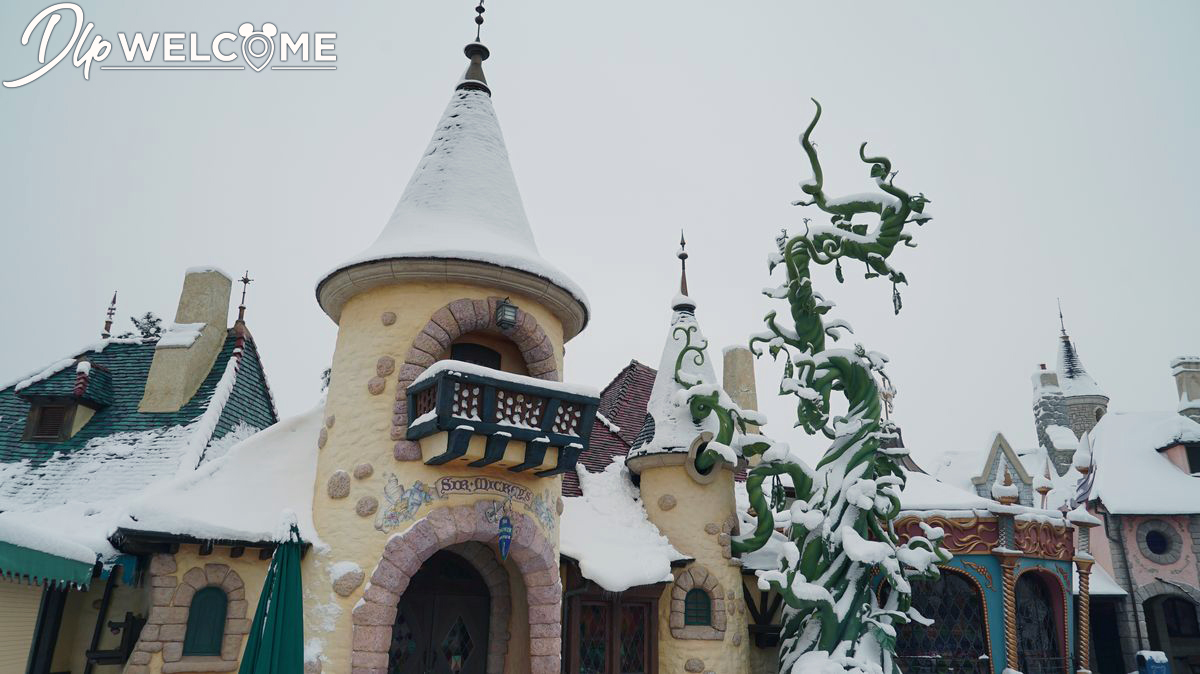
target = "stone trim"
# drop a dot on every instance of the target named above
(458, 318)
(166, 627)
(443, 528)
(495, 577)
(698, 577)
(1174, 541)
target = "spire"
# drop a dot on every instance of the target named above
(245, 280)
(1074, 380)
(462, 205)
(683, 256)
(108, 321)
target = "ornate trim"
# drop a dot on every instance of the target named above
(982, 571)
(972, 535)
(1043, 539)
(458, 318)
(444, 528)
(337, 288)
(698, 577)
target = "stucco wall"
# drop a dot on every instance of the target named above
(698, 526)
(1146, 570)
(79, 621)
(359, 440)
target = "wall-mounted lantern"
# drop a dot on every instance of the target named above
(506, 314)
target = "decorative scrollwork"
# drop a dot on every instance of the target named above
(1043, 539)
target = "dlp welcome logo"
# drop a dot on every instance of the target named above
(176, 51)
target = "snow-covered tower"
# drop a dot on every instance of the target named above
(446, 427)
(1086, 401)
(693, 508)
(1051, 418)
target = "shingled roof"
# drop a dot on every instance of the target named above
(623, 406)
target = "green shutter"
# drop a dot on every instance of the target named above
(206, 623)
(697, 608)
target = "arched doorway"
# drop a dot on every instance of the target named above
(1174, 628)
(1039, 636)
(957, 640)
(442, 623)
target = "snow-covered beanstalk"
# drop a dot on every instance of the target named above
(840, 527)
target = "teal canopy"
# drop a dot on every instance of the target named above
(42, 567)
(276, 644)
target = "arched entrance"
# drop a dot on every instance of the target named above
(1174, 628)
(1039, 635)
(442, 624)
(957, 640)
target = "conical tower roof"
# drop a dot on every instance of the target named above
(1074, 380)
(669, 427)
(460, 217)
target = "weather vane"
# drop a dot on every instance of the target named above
(112, 311)
(245, 280)
(683, 256)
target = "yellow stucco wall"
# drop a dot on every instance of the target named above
(701, 510)
(79, 622)
(18, 616)
(359, 427)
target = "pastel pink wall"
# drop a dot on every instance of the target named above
(1145, 571)
(1099, 545)
(1178, 456)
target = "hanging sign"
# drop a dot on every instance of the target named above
(505, 537)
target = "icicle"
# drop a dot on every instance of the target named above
(896, 303)
(837, 270)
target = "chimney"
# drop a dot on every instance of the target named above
(737, 374)
(187, 349)
(1186, 370)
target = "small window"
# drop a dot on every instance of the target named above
(1193, 458)
(1181, 618)
(49, 422)
(206, 622)
(1099, 413)
(1157, 542)
(697, 608)
(475, 353)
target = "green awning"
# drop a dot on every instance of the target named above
(42, 567)
(276, 643)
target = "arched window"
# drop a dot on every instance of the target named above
(1180, 617)
(478, 354)
(697, 608)
(1039, 633)
(206, 622)
(957, 639)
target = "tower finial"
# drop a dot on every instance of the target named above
(478, 19)
(1061, 323)
(108, 321)
(245, 280)
(683, 256)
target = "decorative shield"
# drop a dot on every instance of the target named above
(505, 537)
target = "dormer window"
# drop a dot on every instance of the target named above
(1193, 458)
(49, 422)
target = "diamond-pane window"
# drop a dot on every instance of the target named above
(633, 639)
(956, 640)
(593, 639)
(457, 646)
(697, 608)
(403, 643)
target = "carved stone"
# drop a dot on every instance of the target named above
(339, 484)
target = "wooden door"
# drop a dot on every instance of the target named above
(443, 620)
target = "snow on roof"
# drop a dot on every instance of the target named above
(669, 426)
(1132, 476)
(1073, 378)
(43, 539)
(246, 494)
(926, 492)
(1100, 585)
(607, 531)
(462, 201)
(1062, 437)
(957, 467)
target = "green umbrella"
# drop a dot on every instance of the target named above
(276, 644)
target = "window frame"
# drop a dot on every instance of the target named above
(33, 420)
(692, 608)
(188, 638)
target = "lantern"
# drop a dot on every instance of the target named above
(506, 314)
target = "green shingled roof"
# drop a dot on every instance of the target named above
(119, 370)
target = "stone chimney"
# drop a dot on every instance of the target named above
(1186, 370)
(737, 374)
(1050, 409)
(187, 350)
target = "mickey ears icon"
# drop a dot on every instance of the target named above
(247, 29)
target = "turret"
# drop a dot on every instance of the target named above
(1186, 370)
(1051, 418)
(693, 507)
(1086, 401)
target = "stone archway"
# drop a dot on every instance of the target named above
(441, 529)
(481, 557)
(458, 318)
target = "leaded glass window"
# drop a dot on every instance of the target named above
(697, 608)
(206, 622)
(1038, 635)
(957, 640)
(593, 639)
(633, 639)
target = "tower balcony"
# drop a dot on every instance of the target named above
(465, 413)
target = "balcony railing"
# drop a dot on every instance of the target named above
(466, 400)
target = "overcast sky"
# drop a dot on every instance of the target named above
(1057, 142)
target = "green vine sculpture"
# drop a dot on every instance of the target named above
(840, 536)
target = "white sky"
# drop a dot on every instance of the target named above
(1057, 142)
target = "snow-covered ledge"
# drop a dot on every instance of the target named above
(339, 286)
